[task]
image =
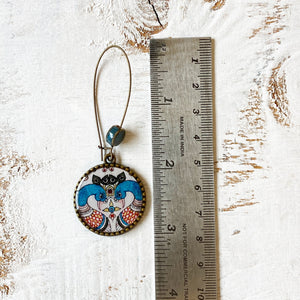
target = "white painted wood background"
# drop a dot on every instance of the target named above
(48, 51)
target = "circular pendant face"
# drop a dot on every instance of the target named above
(109, 199)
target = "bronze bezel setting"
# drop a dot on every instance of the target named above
(127, 169)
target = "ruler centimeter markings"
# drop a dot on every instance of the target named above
(183, 168)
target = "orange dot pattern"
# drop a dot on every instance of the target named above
(94, 220)
(129, 215)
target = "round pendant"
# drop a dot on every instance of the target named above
(109, 199)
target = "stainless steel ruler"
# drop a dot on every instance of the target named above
(183, 168)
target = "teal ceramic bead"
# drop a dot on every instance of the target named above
(118, 137)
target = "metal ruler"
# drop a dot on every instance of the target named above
(183, 168)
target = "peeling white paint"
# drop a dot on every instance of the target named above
(48, 54)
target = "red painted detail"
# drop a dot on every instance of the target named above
(95, 219)
(129, 215)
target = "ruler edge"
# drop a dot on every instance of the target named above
(214, 153)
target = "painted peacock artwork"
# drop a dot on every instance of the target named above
(109, 200)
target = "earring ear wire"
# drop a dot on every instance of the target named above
(116, 134)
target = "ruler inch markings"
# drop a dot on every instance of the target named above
(182, 125)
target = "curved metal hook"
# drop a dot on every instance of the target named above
(96, 107)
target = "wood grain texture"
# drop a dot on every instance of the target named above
(137, 21)
(217, 4)
(13, 240)
(279, 103)
(48, 140)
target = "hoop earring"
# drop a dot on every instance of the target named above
(109, 199)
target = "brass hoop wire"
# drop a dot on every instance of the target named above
(96, 107)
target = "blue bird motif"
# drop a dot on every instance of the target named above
(130, 213)
(128, 186)
(97, 219)
(89, 190)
